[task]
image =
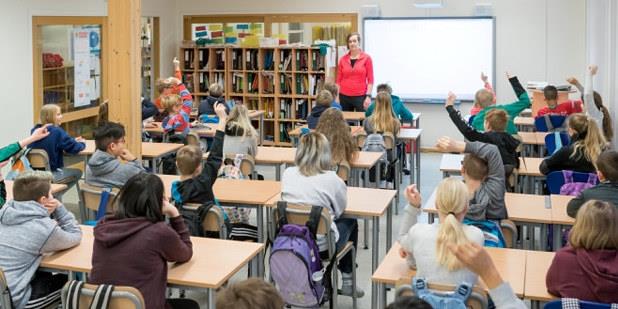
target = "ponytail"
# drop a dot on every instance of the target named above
(452, 199)
(591, 141)
(608, 129)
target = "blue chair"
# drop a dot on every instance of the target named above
(573, 302)
(555, 180)
(549, 123)
(553, 143)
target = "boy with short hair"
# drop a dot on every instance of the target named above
(32, 224)
(569, 107)
(323, 102)
(177, 121)
(104, 168)
(495, 126)
(483, 97)
(606, 190)
(215, 96)
(399, 109)
(253, 293)
(334, 91)
(169, 86)
(196, 181)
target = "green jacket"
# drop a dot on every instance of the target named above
(5, 154)
(513, 109)
(399, 109)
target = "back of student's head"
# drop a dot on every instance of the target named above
(141, 196)
(497, 119)
(32, 185)
(253, 293)
(48, 113)
(409, 302)
(483, 98)
(608, 128)
(239, 120)
(188, 159)
(325, 98)
(607, 164)
(383, 117)
(475, 167)
(596, 227)
(313, 154)
(587, 137)
(451, 200)
(169, 101)
(107, 133)
(332, 88)
(385, 88)
(337, 131)
(215, 90)
(550, 92)
(162, 84)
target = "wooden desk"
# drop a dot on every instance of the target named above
(510, 263)
(524, 123)
(533, 142)
(416, 120)
(202, 130)
(537, 265)
(356, 117)
(559, 217)
(274, 156)
(296, 132)
(530, 174)
(55, 188)
(413, 138)
(90, 148)
(451, 164)
(214, 261)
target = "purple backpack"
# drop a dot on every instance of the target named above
(295, 264)
(570, 187)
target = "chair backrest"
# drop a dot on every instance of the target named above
(123, 297)
(192, 139)
(39, 160)
(389, 141)
(360, 139)
(552, 144)
(509, 231)
(214, 221)
(558, 304)
(555, 180)
(90, 196)
(299, 214)
(247, 164)
(477, 300)
(343, 170)
(547, 123)
(5, 295)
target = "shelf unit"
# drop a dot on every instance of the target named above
(281, 81)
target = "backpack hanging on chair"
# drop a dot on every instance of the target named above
(375, 143)
(19, 163)
(570, 187)
(455, 300)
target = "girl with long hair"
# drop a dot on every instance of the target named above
(337, 131)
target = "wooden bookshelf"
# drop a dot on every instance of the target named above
(281, 81)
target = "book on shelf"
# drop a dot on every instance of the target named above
(251, 59)
(204, 56)
(302, 84)
(204, 83)
(220, 59)
(237, 83)
(268, 83)
(285, 109)
(268, 59)
(253, 83)
(302, 109)
(301, 60)
(236, 59)
(188, 59)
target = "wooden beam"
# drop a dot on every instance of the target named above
(124, 21)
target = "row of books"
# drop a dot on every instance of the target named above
(237, 83)
(268, 83)
(252, 82)
(203, 81)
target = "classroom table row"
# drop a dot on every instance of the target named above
(524, 270)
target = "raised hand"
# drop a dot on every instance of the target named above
(450, 99)
(413, 196)
(483, 77)
(593, 68)
(447, 144)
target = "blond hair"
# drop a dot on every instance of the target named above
(337, 131)
(48, 113)
(483, 98)
(324, 98)
(313, 154)
(332, 88)
(451, 200)
(215, 90)
(188, 159)
(590, 141)
(383, 119)
(596, 227)
(163, 83)
(169, 101)
(239, 120)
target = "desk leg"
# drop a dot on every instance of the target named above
(261, 129)
(156, 169)
(366, 232)
(211, 299)
(278, 172)
(557, 237)
(389, 226)
(431, 218)
(417, 145)
(375, 287)
(543, 246)
(378, 178)
(260, 228)
(374, 259)
(411, 166)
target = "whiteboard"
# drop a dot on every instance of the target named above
(425, 58)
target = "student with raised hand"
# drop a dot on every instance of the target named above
(32, 224)
(483, 97)
(382, 120)
(240, 135)
(587, 142)
(425, 246)
(133, 246)
(606, 190)
(475, 258)
(337, 131)
(550, 93)
(172, 85)
(596, 111)
(587, 268)
(495, 125)
(400, 110)
(313, 182)
(512, 109)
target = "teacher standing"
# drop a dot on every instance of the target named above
(355, 76)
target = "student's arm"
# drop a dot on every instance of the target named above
(402, 112)
(487, 86)
(66, 235)
(10, 150)
(411, 212)
(523, 101)
(591, 108)
(556, 161)
(339, 192)
(575, 204)
(493, 187)
(468, 132)
(148, 109)
(2, 193)
(369, 110)
(215, 157)
(69, 144)
(176, 247)
(573, 81)
(131, 168)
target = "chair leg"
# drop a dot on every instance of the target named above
(354, 296)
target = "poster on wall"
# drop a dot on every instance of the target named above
(81, 53)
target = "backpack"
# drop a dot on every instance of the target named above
(295, 264)
(18, 164)
(570, 187)
(231, 169)
(194, 218)
(441, 300)
(100, 300)
(375, 143)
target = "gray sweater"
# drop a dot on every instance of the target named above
(26, 233)
(488, 200)
(105, 170)
(240, 145)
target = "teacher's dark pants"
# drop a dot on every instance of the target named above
(352, 103)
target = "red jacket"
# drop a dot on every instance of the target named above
(563, 109)
(353, 81)
(586, 275)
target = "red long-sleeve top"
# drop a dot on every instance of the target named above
(353, 80)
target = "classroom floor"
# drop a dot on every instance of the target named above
(430, 177)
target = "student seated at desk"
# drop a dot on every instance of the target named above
(512, 109)
(253, 293)
(323, 102)
(425, 245)
(337, 131)
(587, 268)
(483, 97)
(32, 224)
(104, 168)
(334, 91)
(56, 144)
(550, 93)
(495, 126)
(587, 142)
(313, 182)
(169, 86)
(133, 246)
(383, 120)
(215, 96)
(196, 180)
(400, 110)
(177, 120)
(240, 135)
(606, 190)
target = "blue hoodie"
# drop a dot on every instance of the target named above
(56, 144)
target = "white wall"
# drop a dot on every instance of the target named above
(537, 40)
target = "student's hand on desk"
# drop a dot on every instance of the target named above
(169, 210)
(80, 139)
(447, 144)
(593, 68)
(402, 253)
(450, 99)
(483, 77)
(413, 196)
(151, 125)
